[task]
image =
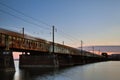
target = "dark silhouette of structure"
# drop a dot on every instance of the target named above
(40, 53)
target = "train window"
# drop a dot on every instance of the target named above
(56, 50)
(10, 39)
(18, 39)
(47, 47)
(32, 43)
(28, 41)
(3, 35)
(37, 44)
(3, 38)
(25, 41)
(14, 38)
(42, 45)
(22, 40)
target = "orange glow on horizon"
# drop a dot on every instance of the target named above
(16, 55)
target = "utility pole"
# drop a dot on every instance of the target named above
(53, 44)
(23, 37)
(93, 49)
(53, 29)
(23, 32)
(63, 42)
(99, 52)
(81, 47)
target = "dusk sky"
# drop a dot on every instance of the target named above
(95, 22)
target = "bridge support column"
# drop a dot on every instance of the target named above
(6, 61)
(37, 60)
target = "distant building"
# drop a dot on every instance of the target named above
(114, 56)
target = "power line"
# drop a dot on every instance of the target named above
(67, 37)
(69, 40)
(71, 37)
(68, 34)
(25, 14)
(28, 16)
(23, 19)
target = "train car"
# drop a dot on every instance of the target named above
(17, 41)
(63, 49)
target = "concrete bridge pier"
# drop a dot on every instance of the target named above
(6, 61)
(37, 60)
(64, 60)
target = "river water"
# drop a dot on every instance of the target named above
(109, 70)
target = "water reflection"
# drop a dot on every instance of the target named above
(6, 75)
(97, 71)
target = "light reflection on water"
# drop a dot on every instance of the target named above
(97, 71)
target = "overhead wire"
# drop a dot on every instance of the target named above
(30, 22)
(71, 38)
(23, 19)
(29, 16)
(25, 14)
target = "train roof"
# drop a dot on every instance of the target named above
(16, 34)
